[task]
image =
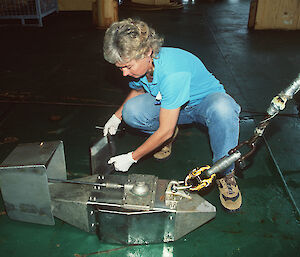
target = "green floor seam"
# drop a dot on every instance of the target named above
(282, 179)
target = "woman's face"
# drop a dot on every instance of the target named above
(135, 68)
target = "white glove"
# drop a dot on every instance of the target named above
(111, 125)
(122, 162)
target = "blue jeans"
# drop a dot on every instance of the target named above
(218, 112)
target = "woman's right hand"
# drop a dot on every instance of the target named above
(111, 125)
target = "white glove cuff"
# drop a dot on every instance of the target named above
(131, 158)
(115, 119)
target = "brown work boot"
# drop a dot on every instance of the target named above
(166, 149)
(230, 195)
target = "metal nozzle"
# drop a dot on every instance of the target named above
(292, 89)
(279, 101)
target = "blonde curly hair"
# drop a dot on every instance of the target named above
(130, 39)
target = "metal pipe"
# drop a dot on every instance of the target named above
(223, 164)
(292, 89)
(108, 185)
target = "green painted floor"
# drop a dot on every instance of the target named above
(55, 85)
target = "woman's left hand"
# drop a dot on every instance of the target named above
(122, 162)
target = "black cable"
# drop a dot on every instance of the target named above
(263, 114)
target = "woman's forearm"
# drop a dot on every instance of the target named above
(154, 141)
(167, 123)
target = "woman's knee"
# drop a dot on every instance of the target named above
(223, 107)
(130, 112)
(140, 112)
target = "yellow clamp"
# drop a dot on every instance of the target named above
(204, 182)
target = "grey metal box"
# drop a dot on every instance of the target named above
(24, 180)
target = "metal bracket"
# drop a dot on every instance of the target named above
(140, 192)
(100, 153)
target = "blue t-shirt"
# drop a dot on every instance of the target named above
(179, 78)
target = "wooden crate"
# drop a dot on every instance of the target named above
(274, 14)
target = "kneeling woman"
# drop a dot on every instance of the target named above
(171, 86)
